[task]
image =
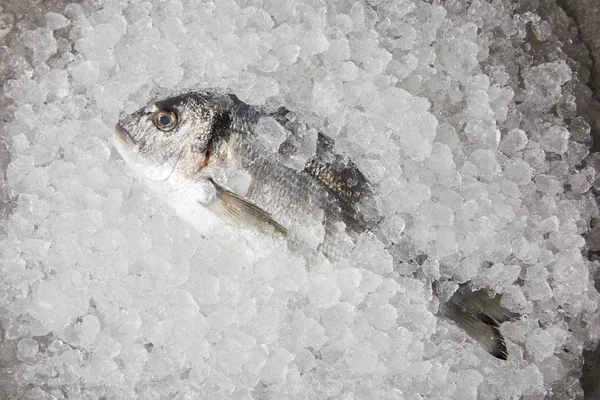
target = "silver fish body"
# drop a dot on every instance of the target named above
(217, 138)
(214, 152)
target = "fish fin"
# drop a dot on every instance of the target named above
(479, 302)
(480, 328)
(491, 307)
(338, 174)
(480, 316)
(229, 205)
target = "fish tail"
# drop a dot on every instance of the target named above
(480, 316)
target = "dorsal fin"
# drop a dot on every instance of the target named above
(337, 173)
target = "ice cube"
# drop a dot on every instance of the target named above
(513, 142)
(325, 96)
(270, 133)
(554, 139)
(84, 73)
(57, 301)
(540, 344)
(582, 181)
(580, 130)
(27, 350)
(55, 21)
(90, 327)
(288, 55)
(361, 360)
(382, 317)
(276, 366)
(543, 84)
(41, 41)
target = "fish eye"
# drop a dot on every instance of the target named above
(165, 120)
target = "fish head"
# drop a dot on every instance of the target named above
(171, 139)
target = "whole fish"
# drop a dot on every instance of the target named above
(222, 159)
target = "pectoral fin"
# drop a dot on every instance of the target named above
(232, 207)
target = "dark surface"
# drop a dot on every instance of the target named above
(590, 380)
(586, 13)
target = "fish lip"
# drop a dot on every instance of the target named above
(123, 136)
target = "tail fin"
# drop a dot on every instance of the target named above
(480, 316)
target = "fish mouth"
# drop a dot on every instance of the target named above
(123, 137)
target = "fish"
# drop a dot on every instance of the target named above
(189, 146)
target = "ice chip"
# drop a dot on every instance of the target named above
(576, 153)
(441, 160)
(173, 28)
(35, 249)
(208, 289)
(27, 349)
(325, 96)
(301, 236)
(542, 30)
(566, 107)
(59, 82)
(59, 300)
(536, 283)
(271, 134)
(580, 130)
(402, 68)
(90, 327)
(361, 360)
(554, 139)
(305, 360)
(548, 184)
(543, 84)
(582, 181)
(382, 317)
(41, 42)
(288, 55)
(370, 253)
(485, 161)
(276, 366)
(106, 347)
(467, 382)
(525, 251)
(312, 42)
(570, 273)
(482, 133)
(553, 369)
(84, 73)
(338, 50)
(446, 134)
(513, 142)
(540, 344)
(347, 71)
(393, 227)
(6, 23)
(55, 21)
(528, 379)
(405, 33)
(325, 290)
